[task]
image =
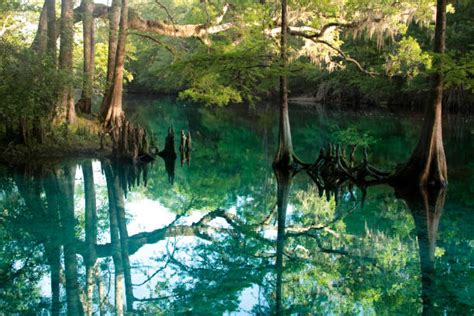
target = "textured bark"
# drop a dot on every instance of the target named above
(284, 155)
(182, 31)
(91, 233)
(40, 43)
(52, 29)
(427, 165)
(65, 107)
(284, 179)
(85, 103)
(114, 115)
(160, 27)
(114, 25)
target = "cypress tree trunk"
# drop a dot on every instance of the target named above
(65, 108)
(40, 43)
(427, 164)
(284, 156)
(114, 25)
(85, 103)
(52, 32)
(114, 115)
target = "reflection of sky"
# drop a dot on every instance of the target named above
(147, 215)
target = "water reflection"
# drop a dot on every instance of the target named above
(288, 261)
(226, 234)
(426, 207)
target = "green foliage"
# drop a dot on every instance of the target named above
(100, 65)
(352, 136)
(458, 70)
(29, 84)
(408, 60)
(207, 90)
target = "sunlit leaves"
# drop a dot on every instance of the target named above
(408, 59)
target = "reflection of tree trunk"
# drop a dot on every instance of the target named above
(54, 259)
(54, 245)
(284, 184)
(428, 161)
(30, 190)
(65, 191)
(101, 293)
(119, 206)
(115, 239)
(284, 156)
(426, 207)
(169, 155)
(91, 233)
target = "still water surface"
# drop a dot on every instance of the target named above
(202, 237)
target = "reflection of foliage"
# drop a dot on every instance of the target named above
(21, 262)
(352, 136)
(339, 258)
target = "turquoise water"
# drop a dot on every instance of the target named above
(201, 237)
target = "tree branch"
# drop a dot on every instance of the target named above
(151, 38)
(347, 58)
(138, 23)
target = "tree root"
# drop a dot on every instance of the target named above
(332, 169)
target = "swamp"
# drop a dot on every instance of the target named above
(303, 157)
